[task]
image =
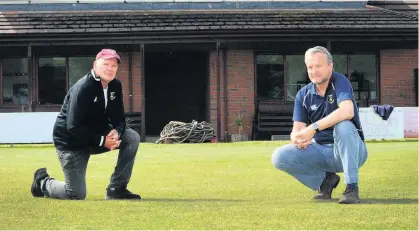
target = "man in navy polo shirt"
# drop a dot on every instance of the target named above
(327, 136)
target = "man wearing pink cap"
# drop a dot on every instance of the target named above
(91, 121)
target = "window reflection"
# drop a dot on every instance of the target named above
(79, 67)
(270, 76)
(52, 80)
(296, 75)
(363, 76)
(15, 81)
(274, 69)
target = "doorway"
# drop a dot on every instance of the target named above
(175, 88)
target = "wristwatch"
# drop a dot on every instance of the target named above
(315, 127)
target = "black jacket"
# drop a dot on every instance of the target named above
(83, 121)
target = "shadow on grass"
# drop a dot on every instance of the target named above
(144, 200)
(190, 200)
(388, 201)
(376, 201)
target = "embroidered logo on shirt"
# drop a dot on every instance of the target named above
(313, 107)
(95, 100)
(112, 96)
(330, 99)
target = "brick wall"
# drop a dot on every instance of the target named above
(240, 89)
(396, 76)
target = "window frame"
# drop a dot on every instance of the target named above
(53, 107)
(347, 54)
(10, 107)
(45, 51)
(285, 78)
(68, 66)
(255, 73)
(377, 65)
(33, 81)
(47, 107)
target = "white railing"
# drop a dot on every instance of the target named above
(27, 127)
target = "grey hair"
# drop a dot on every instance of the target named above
(320, 49)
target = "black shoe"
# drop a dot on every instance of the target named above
(330, 182)
(39, 175)
(351, 195)
(121, 194)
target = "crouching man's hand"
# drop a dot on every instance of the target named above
(111, 140)
(302, 139)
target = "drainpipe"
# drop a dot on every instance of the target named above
(32, 83)
(143, 131)
(225, 93)
(130, 79)
(218, 94)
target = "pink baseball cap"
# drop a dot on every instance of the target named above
(108, 54)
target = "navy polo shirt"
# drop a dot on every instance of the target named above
(310, 107)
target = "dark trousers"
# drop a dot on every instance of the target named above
(74, 164)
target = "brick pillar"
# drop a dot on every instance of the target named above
(123, 76)
(136, 81)
(240, 89)
(212, 91)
